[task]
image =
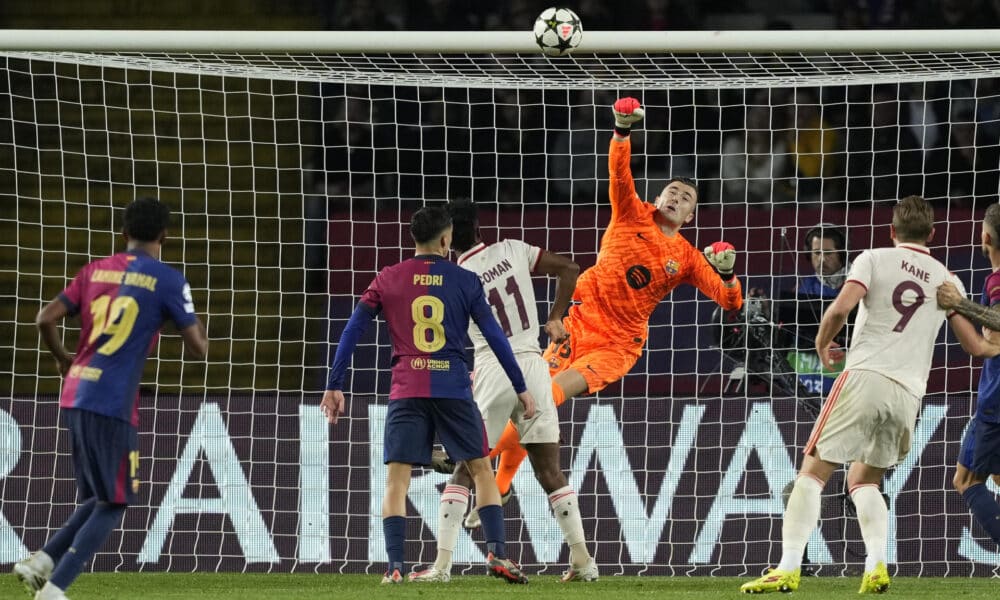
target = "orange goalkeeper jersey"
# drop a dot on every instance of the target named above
(638, 264)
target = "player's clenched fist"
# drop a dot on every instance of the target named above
(722, 256)
(627, 111)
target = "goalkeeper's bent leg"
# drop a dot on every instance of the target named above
(511, 454)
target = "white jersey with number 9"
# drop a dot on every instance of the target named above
(899, 319)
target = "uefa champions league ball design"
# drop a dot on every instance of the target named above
(558, 31)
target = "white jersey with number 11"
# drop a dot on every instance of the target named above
(505, 268)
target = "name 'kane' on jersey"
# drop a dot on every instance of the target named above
(899, 318)
(504, 269)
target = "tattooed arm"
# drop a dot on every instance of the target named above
(949, 298)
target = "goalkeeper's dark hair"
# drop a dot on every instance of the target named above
(992, 220)
(465, 223)
(913, 219)
(428, 223)
(686, 181)
(146, 219)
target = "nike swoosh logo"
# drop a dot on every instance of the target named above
(639, 235)
(592, 369)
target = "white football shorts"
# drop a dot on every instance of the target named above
(867, 417)
(498, 403)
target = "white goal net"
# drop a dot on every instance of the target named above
(292, 176)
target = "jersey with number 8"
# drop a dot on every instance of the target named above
(123, 300)
(427, 302)
(898, 319)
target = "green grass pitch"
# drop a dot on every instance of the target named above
(237, 586)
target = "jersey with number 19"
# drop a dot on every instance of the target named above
(122, 300)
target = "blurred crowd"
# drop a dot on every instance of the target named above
(668, 14)
(762, 147)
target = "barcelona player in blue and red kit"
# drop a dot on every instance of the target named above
(427, 302)
(122, 301)
(979, 457)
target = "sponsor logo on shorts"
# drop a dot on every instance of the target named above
(638, 277)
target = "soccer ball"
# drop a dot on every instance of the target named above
(558, 31)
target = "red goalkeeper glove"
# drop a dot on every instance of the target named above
(722, 256)
(627, 111)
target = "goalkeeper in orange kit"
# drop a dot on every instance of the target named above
(642, 258)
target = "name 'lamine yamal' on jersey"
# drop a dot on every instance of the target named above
(505, 268)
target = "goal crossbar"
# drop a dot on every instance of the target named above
(462, 42)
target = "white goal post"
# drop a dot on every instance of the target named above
(293, 160)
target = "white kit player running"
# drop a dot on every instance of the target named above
(505, 270)
(869, 416)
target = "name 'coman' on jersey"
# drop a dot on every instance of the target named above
(505, 268)
(899, 318)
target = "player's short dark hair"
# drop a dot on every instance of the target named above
(827, 231)
(913, 219)
(464, 222)
(428, 223)
(686, 181)
(992, 220)
(146, 219)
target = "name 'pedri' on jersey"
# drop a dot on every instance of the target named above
(427, 302)
(988, 398)
(505, 268)
(122, 300)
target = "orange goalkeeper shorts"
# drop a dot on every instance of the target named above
(600, 361)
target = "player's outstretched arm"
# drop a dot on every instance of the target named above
(835, 318)
(950, 298)
(47, 322)
(972, 342)
(566, 272)
(621, 186)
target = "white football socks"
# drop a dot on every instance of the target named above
(567, 512)
(873, 517)
(454, 502)
(801, 516)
